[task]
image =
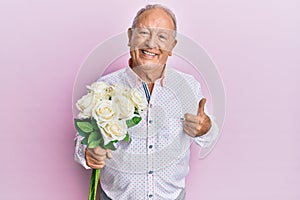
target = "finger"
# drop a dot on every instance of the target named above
(191, 118)
(96, 156)
(109, 154)
(201, 107)
(195, 132)
(98, 151)
(191, 132)
(90, 161)
(89, 154)
(96, 166)
(94, 163)
(192, 125)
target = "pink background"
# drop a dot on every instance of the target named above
(255, 45)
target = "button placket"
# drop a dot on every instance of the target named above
(150, 142)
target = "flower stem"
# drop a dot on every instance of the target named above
(94, 183)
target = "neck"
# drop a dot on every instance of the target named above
(150, 87)
(148, 75)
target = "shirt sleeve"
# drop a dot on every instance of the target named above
(208, 140)
(79, 155)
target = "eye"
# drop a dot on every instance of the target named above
(162, 37)
(144, 33)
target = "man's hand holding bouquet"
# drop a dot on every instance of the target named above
(106, 113)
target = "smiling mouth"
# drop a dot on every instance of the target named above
(148, 53)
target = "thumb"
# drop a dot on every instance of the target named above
(201, 107)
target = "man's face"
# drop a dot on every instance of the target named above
(152, 40)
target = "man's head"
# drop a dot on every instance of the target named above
(152, 37)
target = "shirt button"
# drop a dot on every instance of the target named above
(150, 146)
(150, 172)
(150, 195)
(150, 121)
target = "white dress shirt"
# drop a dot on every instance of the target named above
(154, 163)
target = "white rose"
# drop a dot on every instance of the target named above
(101, 90)
(138, 100)
(123, 106)
(103, 112)
(85, 105)
(121, 90)
(114, 130)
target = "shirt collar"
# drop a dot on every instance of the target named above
(132, 78)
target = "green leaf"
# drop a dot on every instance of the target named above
(84, 141)
(79, 120)
(101, 144)
(81, 133)
(94, 136)
(110, 146)
(82, 120)
(136, 119)
(126, 139)
(84, 126)
(132, 122)
(94, 144)
(94, 183)
(94, 139)
(94, 124)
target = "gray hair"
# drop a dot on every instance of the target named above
(149, 7)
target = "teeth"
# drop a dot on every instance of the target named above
(148, 53)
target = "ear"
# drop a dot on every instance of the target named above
(172, 47)
(129, 34)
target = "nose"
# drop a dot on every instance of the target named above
(151, 41)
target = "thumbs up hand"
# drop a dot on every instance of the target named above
(197, 125)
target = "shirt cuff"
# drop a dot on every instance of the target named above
(207, 140)
(79, 155)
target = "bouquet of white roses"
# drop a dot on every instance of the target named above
(106, 113)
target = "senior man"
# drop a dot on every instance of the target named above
(154, 164)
